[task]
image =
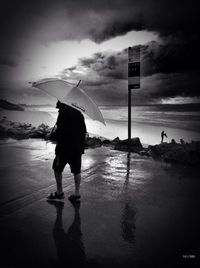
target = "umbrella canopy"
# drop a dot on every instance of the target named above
(71, 95)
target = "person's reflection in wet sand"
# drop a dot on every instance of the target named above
(69, 245)
(128, 214)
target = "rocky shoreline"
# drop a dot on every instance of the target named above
(177, 153)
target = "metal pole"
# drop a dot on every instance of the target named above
(129, 117)
(133, 81)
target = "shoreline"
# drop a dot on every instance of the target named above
(186, 153)
(146, 124)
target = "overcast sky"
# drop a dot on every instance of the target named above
(88, 40)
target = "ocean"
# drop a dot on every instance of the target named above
(147, 122)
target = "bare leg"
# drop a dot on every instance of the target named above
(77, 181)
(58, 177)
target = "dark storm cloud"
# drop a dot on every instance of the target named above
(115, 28)
(171, 67)
(156, 58)
(164, 74)
(112, 65)
(169, 57)
(98, 20)
(153, 89)
(24, 22)
(163, 86)
(99, 70)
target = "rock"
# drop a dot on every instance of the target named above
(17, 133)
(93, 142)
(159, 149)
(22, 130)
(116, 140)
(135, 145)
(106, 142)
(181, 153)
(42, 132)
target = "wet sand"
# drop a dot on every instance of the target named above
(135, 212)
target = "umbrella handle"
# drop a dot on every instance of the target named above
(78, 83)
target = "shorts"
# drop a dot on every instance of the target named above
(74, 162)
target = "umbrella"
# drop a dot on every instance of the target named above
(72, 95)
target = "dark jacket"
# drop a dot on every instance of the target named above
(71, 131)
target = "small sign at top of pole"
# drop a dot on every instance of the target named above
(134, 67)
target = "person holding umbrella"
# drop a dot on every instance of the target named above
(70, 132)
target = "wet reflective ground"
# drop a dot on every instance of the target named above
(134, 212)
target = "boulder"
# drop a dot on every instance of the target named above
(181, 153)
(106, 142)
(18, 130)
(134, 146)
(17, 133)
(42, 131)
(116, 140)
(92, 142)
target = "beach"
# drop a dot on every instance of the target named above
(147, 122)
(135, 212)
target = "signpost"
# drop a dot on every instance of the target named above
(133, 79)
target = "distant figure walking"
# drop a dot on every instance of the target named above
(70, 133)
(163, 134)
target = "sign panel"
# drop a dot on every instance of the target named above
(134, 67)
